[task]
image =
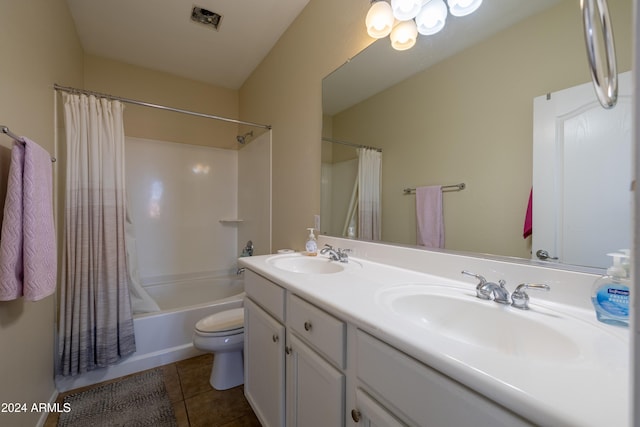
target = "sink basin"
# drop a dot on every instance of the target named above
(457, 314)
(298, 263)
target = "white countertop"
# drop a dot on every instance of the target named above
(586, 388)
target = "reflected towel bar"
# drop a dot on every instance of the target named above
(15, 137)
(455, 187)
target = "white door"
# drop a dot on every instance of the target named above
(582, 175)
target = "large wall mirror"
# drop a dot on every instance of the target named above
(459, 108)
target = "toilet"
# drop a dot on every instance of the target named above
(223, 335)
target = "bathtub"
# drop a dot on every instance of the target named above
(165, 336)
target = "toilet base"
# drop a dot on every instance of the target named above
(227, 371)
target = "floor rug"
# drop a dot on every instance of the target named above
(140, 400)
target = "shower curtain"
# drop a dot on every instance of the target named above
(369, 189)
(95, 323)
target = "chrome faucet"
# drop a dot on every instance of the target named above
(247, 250)
(520, 299)
(336, 254)
(485, 290)
(499, 291)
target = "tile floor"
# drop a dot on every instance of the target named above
(195, 402)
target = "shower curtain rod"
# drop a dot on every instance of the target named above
(16, 138)
(161, 107)
(351, 144)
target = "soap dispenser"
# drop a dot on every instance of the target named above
(311, 246)
(610, 295)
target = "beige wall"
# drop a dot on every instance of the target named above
(129, 81)
(285, 91)
(39, 47)
(470, 119)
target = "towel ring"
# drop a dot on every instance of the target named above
(605, 84)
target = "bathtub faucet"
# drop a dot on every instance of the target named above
(240, 270)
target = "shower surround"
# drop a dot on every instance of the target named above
(184, 200)
(178, 193)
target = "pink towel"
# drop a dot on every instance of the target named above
(528, 220)
(430, 223)
(27, 243)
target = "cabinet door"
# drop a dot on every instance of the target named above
(264, 368)
(315, 389)
(370, 413)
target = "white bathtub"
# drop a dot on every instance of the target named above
(165, 336)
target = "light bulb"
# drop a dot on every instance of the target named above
(463, 7)
(432, 17)
(404, 10)
(379, 20)
(403, 36)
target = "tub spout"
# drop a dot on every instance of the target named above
(240, 270)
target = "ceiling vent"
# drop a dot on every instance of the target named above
(206, 17)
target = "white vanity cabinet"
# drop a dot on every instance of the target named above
(370, 413)
(296, 372)
(315, 359)
(264, 349)
(315, 389)
(419, 395)
(293, 374)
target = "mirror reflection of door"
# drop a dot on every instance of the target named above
(582, 175)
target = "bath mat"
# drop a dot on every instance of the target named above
(139, 400)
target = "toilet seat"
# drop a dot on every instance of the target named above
(224, 323)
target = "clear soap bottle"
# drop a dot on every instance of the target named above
(311, 247)
(610, 296)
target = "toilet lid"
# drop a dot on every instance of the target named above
(227, 320)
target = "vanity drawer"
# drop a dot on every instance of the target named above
(421, 395)
(265, 293)
(323, 331)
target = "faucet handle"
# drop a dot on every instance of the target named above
(481, 292)
(477, 276)
(343, 254)
(520, 299)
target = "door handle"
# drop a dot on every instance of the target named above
(544, 255)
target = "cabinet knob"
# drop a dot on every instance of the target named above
(287, 349)
(275, 338)
(307, 325)
(356, 415)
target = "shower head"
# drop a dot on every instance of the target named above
(242, 138)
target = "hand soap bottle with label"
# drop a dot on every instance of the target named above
(311, 247)
(610, 295)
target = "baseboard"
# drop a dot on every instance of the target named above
(43, 415)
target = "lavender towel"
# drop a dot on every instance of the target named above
(27, 241)
(430, 224)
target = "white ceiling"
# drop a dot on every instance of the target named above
(159, 34)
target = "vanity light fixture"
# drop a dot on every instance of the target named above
(379, 20)
(402, 20)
